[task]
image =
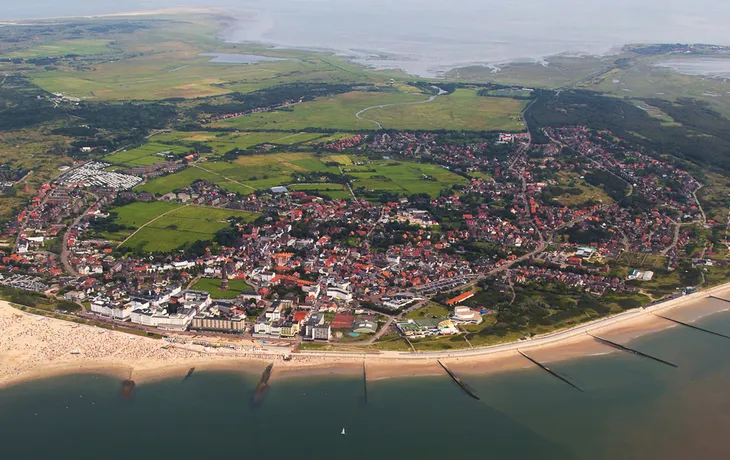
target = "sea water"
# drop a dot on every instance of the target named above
(631, 407)
(426, 37)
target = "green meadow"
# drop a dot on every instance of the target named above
(236, 287)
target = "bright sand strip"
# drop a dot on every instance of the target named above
(33, 347)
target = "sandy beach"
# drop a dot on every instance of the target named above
(35, 347)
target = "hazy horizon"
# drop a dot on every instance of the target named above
(426, 36)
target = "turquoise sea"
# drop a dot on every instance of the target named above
(632, 408)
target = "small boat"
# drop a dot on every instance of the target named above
(75, 352)
(343, 432)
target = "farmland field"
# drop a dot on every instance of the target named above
(184, 225)
(334, 112)
(213, 286)
(461, 110)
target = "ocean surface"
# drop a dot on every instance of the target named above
(632, 408)
(426, 37)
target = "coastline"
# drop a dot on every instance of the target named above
(35, 347)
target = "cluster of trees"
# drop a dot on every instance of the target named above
(614, 186)
(107, 225)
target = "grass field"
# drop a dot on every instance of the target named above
(461, 110)
(334, 112)
(186, 224)
(144, 155)
(269, 170)
(403, 177)
(213, 286)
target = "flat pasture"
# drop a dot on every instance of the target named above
(461, 110)
(184, 225)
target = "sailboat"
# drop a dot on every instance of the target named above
(343, 432)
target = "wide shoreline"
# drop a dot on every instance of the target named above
(36, 347)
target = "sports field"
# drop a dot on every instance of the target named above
(158, 231)
(213, 286)
(147, 154)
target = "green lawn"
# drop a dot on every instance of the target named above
(429, 311)
(213, 286)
